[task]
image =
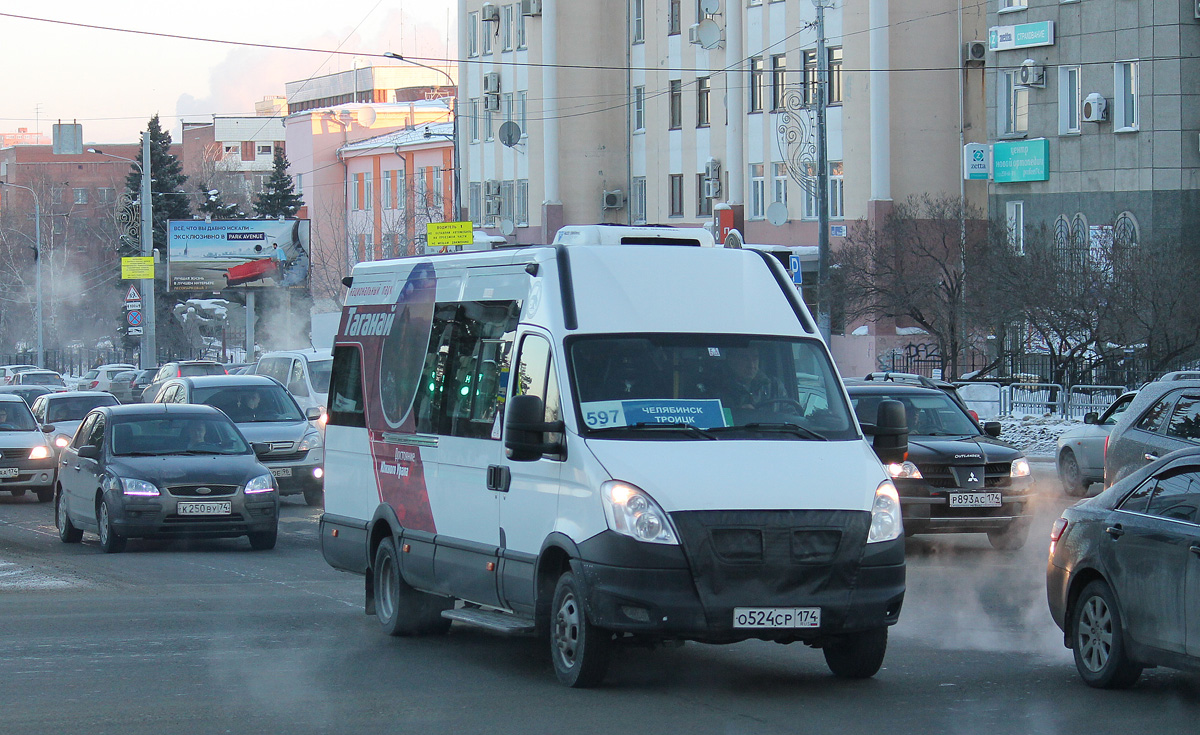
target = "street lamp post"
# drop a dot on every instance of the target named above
(149, 349)
(453, 128)
(37, 268)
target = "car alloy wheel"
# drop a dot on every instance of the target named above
(1095, 634)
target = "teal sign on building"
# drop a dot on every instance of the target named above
(1022, 36)
(1021, 160)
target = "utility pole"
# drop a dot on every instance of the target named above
(149, 357)
(823, 321)
(37, 267)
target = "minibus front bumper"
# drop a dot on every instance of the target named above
(745, 559)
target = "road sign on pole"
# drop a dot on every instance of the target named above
(134, 318)
(134, 331)
(132, 295)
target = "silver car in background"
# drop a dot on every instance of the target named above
(1080, 452)
(65, 411)
(266, 413)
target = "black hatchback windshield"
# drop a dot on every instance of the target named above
(15, 416)
(731, 386)
(159, 435)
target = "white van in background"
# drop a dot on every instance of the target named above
(607, 443)
(305, 373)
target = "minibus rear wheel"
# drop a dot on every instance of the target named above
(857, 655)
(401, 609)
(580, 651)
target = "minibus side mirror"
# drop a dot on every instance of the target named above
(525, 429)
(891, 432)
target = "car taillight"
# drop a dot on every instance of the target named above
(974, 415)
(1056, 532)
(1106, 448)
(94, 384)
(180, 373)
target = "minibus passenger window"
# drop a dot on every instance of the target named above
(345, 394)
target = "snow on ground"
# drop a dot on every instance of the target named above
(1036, 436)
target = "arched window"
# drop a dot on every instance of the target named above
(1125, 231)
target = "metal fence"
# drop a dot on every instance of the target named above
(77, 361)
(992, 400)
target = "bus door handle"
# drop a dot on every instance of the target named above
(498, 478)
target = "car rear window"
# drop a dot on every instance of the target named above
(32, 378)
(189, 371)
(91, 374)
(75, 407)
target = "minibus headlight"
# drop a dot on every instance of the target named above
(886, 523)
(630, 511)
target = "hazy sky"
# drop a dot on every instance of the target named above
(113, 82)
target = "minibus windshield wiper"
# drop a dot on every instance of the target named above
(786, 428)
(691, 429)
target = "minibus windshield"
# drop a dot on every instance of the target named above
(729, 386)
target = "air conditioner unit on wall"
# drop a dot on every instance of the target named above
(1095, 108)
(1032, 74)
(694, 32)
(976, 51)
(1197, 13)
(491, 83)
(491, 102)
(613, 199)
(491, 207)
(491, 188)
(712, 169)
(712, 188)
(531, 7)
(490, 11)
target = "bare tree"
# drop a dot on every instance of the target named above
(919, 264)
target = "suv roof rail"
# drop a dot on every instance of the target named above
(913, 378)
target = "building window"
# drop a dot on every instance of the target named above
(637, 201)
(386, 193)
(754, 2)
(1013, 106)
(80, 195)
(703, 201)
(778, 81)
(676, 96)
(810, 192)
(675, 182)
(833, 92)
(1125, 231)
(639, 21)
(369, 247)
(266, 149)
(474, 207)
(356, 192)
(639, 109)
(781, 180)
(506, 106)
(520, 31)
(230, 149)
(439, 186)
(506, 26)
(1068, 100)
(108, 196)
(837, 191)
(703, 91)
(756, 84)
(508, 200)
(673, 20)
(1015, 219)
(1125, 98)
(487, 125)
(522, 214)
(519, 116)
(810, 77)
(487, 37)
(1013, 5)
(758, 192)
(472, 34)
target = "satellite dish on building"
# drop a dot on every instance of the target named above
(510, 133)
(709, 33)
(710, 7)
(507, 227)
(366, 116)
(777, 213)
(734, 240)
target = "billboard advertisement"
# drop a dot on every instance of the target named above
(213, 256)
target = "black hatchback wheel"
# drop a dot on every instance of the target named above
(1098, 640)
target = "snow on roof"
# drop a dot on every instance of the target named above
(441, 132)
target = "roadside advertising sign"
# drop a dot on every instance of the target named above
(212, 256)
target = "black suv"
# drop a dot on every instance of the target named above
(958, 476)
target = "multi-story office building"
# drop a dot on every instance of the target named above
(1094, 118)
(233, 154)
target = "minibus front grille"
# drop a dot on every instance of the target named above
(772, 557)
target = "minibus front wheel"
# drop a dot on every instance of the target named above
(580, 651)
(857, 655)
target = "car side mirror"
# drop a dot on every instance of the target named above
(89, 451)
(991, 428)
(312, 413)
(891, 432)
(1091, 417)
(47, 428)
(525, 430)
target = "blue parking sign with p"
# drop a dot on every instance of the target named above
(794, 267)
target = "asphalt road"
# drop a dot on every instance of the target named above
(211, 637)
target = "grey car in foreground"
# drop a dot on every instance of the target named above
(154, 471)
(1163, 417)
(265, 412)
(1123, 580)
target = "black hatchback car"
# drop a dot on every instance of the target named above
(1123, 580)
(958, 477)
(146, 471)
